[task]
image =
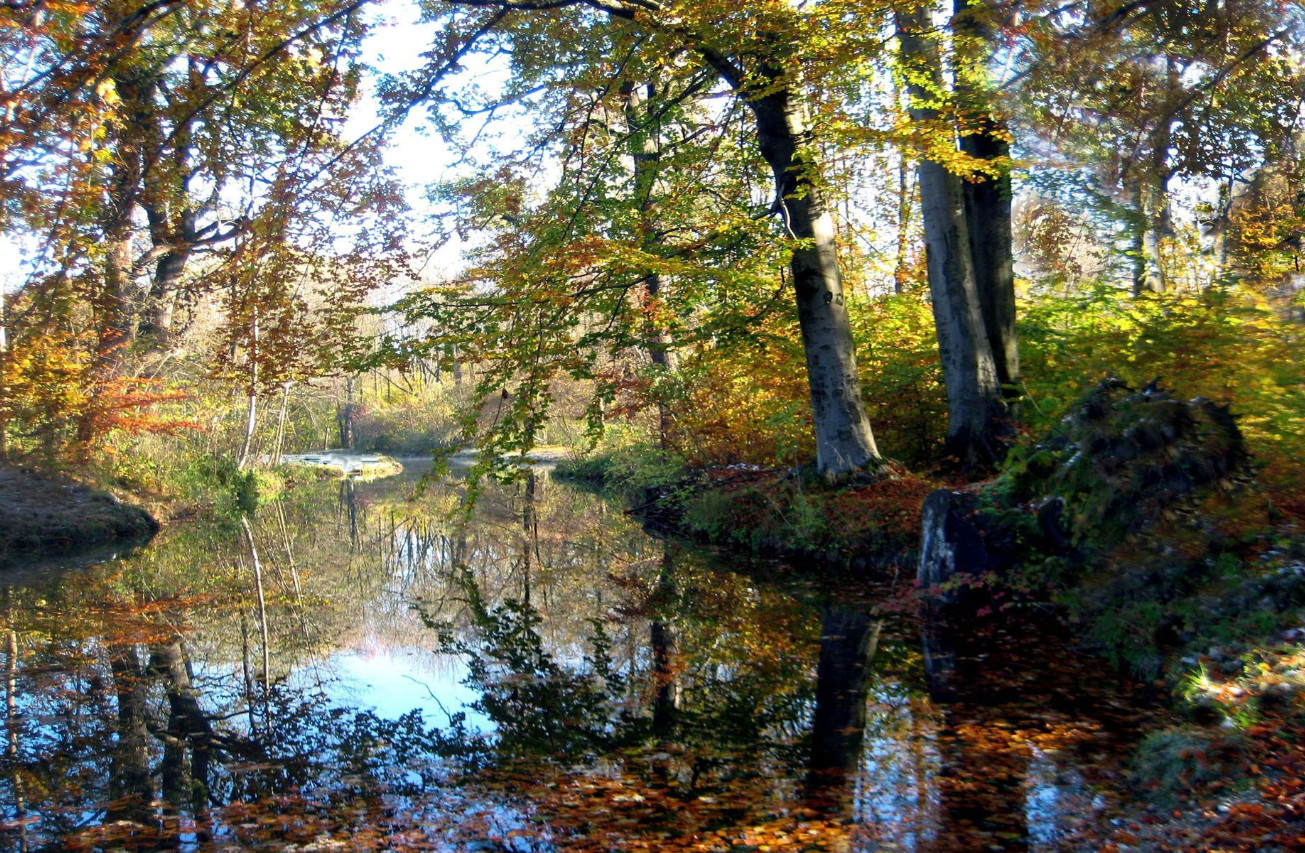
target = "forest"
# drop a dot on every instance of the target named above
(874, 332)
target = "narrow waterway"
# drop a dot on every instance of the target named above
(355, 669)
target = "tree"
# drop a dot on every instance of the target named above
(1146, 94)
(965, 204)
(216, 137)
(758, 53)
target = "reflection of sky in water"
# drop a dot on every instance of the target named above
(389, 681)
(394, 681)
(895, 788)
(1054, 795)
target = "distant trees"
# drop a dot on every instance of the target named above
(1147, 95)
(160, 152)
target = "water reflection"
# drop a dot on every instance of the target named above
(355, 666)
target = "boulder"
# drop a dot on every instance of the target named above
(951, 541)
(1117, 465)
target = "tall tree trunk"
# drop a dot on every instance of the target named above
(161, 301)
(988, 198)
(156, 326)
(844, 441)
(1151, 195)
(977, 415)
(172, 225)
(646, 154)
(988, 221)
(278, 443)
(114, 324)
(111, 301)
(114, 303)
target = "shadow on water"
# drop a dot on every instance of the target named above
(354, 667)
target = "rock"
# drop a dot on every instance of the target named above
(950, 543)
(1125, 459)
(1123, 465)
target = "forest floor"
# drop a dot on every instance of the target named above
(43, 515)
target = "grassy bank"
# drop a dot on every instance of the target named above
(767, 512)
(43, 516)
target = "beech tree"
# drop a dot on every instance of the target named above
(965, 194)
(759, 53)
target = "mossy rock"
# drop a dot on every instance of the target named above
(1122, 460)
(1122, 482)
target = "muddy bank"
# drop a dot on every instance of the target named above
(43, 516)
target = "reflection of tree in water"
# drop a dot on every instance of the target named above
(849, 639)
(633, 688)
(736, 684)
(125, 747)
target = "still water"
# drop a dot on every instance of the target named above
(355, 668)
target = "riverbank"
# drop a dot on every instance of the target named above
(1140, 524)
(855, 528)
(47, 516)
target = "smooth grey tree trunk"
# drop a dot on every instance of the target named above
(988, 221)
(976, 408)
(988, 201)
(844, 440)
(902, 267)
(156, 324)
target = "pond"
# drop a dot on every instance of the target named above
(355, 668)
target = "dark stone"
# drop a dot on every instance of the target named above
(951, 542)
